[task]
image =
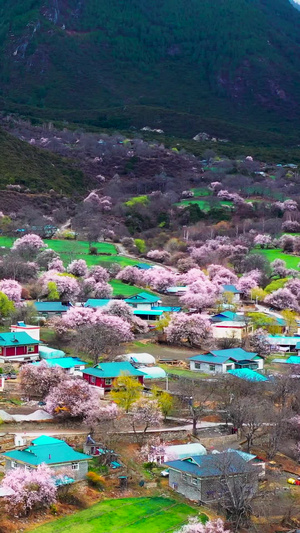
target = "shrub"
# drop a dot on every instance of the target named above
(95, 480)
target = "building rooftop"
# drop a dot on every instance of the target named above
(63, 362)
(221, 356)
(143, 297)
(231, 288)
(16, 338)
(51, 307)
(49, 453)
(248, 374)
(113, 370)
(211, 465)
(97, 302)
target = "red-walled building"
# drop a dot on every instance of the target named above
(19, 347)
(104, 374)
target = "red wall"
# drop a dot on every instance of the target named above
(100, 382)
(19, 350)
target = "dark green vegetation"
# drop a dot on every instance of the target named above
(157, 515)
(229, 68)
(35, 168)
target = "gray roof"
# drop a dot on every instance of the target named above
(212, 465)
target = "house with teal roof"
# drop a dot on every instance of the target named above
(73, 365)
(48, 309)
(221, 361)
(103, 374)
(234, 291)
(18, 347)
(55, 453)
(143, 301)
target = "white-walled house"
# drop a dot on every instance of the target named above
(231, 330)
(220, 361)
(33, 331)
(143, 301)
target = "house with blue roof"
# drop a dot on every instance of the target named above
(55, 453)
(236, 294)
(104, 374)
(221, 361)
(206, 478)
(94, 303)
(18, 347)
(48, 309)
(72, 365)
(143, 301)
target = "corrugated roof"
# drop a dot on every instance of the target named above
(54, 307)
(142, 297)
(50, 353)
(231, 288)
(145, 312)
(63, 362)
(112, 370)
(211, 465)
(97, 302)
(55, 453)
(207, 358)
(143, 266)
(14, 338)
(45, 439)
(283, 340)
(234, 353)
(248, 374)
(293, 360)
(166, 309)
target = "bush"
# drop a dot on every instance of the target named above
(53, 509)
(95, 480)
(93, 250)
(149, 465)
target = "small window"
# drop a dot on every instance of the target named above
(108, 381)
(76, 368)
(75, 466)
(28, 467)
(30, 349)
(198, 365)
(184, 477)
(13, 464)
(194, 481)
(212, 368)
(93, 379)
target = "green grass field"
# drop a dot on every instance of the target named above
(124, 289)
(292, 261)
(201, 191)
(70, 250)
(204, 205)
(182, 372)
(128, 515)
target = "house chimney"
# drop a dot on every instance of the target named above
(49, 456)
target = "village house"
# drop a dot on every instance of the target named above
(143, 301)
(220, 361)
(206, 478)
(236, 294)
(55, 453)
(230, 325)
(283, 343)
(73, 365)
(103, 375)
(48, 309)
(18, 347)
(33, 331)
(162, 454)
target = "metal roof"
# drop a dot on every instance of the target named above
(145, 312)
(166, 309)
(63, 362)
(207, 358)
(153, 372)
(211, 465)
(112, 370)
(231, 288)
(51, 307)
(293, 360)
(55, 453)
(142, 297)
(248, 374)
(97, 302)
(16, 338)
(234, 353)
(283, 340)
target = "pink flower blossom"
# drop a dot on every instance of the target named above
(33, 489)
(190, 329)
(12, 289)
(78, 268)
(29, 244)
(73, 398)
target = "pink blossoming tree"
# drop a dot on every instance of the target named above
(145, 413)
(188, 329)
(12, 289)
(283, 299)
(78, 268)
(72, 398)
(33, 489)
(130, 275)
(195, 526)
(29, 245)
(56, 264)
(200, 295)
(38, 380)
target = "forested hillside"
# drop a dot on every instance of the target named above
(36, 169)
(236, 61)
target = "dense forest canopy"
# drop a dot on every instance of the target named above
(228, 60)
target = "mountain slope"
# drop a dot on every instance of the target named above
(36, 169)
(234, 60)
